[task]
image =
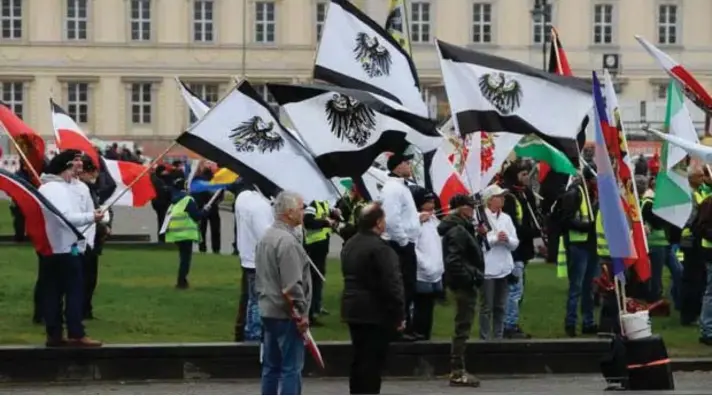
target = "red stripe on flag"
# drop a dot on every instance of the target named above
(453, 186)
(35, 223)
(143, 190)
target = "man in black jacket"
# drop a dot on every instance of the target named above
(161, 182)
(372, 303)
(464, 273)
(520, 205)
(212, 216)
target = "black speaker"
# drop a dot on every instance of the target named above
(648, 364)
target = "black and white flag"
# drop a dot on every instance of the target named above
(347, 129)
(492, 94)
(356, 52)
(243, 134)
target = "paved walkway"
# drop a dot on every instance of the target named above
(588, 384)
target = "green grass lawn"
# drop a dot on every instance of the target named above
(136, 302)
(5, 218)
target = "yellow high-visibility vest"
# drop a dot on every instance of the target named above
(322, 212)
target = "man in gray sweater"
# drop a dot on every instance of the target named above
(284, 290)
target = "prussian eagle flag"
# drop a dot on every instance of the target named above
(691, 87)
(125, 174)
(492, 94)
(356, 52)
(346, 129)
(69, 135)
(42, 219)
(243, 134)
(197, 106)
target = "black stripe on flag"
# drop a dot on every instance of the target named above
(460, 55)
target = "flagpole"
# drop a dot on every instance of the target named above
(21, 153)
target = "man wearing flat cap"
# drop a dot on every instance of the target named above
(402, 226)
(62, 275)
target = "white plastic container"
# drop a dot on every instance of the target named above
(637, 325)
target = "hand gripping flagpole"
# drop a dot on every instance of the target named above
(133, 182)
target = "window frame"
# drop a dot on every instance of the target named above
(207, 26)
(77, 20)
(319, 25)
(537, 26)
(74, 107)
(667, 25)
(12, 19)
(10, 98)
(483, 23)
(420, 23)
(200, 90)
(140, 21)
(265, 22)
(141, 103)
(603, 24)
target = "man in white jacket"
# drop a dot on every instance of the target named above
(253, 216)
(62, 271)
(402, 226)
(499, 264)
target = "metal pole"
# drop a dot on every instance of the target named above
(544, 32)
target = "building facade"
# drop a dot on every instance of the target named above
(111, 63)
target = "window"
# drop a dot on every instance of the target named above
(667, 24)
(320, 18)
(207, 92)
(482, 23)
(77, 19)
(542, 24)
(13, 94)
(267, 96)
(603, 24)
(11, 19)
(140, 20)
(420, 22)
(264, 22)
(203, 20)
(661, 91)
(141, 103)
(78, 101)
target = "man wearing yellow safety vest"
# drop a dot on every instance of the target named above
(183, 229)
(694, 274)
(319, 220)
(703, 230)
(577, 217)
(657, 231)
(520, 205)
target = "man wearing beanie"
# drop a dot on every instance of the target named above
(402, 227)
(95, 234)
(62, 281)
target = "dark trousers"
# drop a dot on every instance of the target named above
(241, 318)
(37, 316)
(235, 252)
(408, 265)
(212, 217)
(62, 284)
(317, 253)
(90, 276)
(160, 217)
(370, 348)
(694, 281)
(18, 223)
(423, 307)
(185, 256)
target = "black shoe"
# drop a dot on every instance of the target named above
(418, 336)
(706, 340)
(516, 333)
(182, 285)
(570, 331)
(590, 330)
(37, 320)
(89, 316)
(407, 338)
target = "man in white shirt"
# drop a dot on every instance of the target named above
(253, 216)
(499, 264)
(402, 226)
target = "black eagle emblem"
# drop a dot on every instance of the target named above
(505, 93)
(255, 134)
(374, 58)
(350, 119)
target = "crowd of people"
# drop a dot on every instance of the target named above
(401, 252)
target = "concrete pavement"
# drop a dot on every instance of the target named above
(687, 383)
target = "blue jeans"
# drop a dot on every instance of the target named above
(675, 268)
(283, 357)
(660, 258)
(582, 269)
(62, 285)
(706, 316)
(253, 324)
(516, 291)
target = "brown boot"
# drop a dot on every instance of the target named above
(84, 342)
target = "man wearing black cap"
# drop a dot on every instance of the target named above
(95, 234)
(62, 276)
(402, 226)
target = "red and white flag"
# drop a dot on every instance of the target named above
(445, 180)
(309, 341)
(124, 173)
(42, 219)
(69, 135)
(691, 87)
